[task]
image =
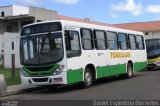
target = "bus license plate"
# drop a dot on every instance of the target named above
(158, 63)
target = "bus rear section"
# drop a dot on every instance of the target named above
(153, 53)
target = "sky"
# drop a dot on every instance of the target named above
(108, 11)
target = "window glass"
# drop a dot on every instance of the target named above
(140, 42)
(153, 47)
(87, 40)
(87, 44)
(75, 41)
(41, 49)
(100, 35)
(139, 38)
(86, 34)
(100, 40)
(72, 43)
(41, 28)
(132, 42)
(112, 40)
(122, 38)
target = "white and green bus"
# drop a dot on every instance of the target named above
(66, 52)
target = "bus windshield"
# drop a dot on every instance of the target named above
(153, 48)
(41, 49)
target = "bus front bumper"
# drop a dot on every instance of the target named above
(153, 65)
(38, 81)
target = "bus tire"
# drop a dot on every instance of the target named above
(88, 78)
(129, 73)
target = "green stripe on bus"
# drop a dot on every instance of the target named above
(111, 70)
(140, 66)
(118, 69)
(74, 76)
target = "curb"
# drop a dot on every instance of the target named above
(24, 90)
(19, 91)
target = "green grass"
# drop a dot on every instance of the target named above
(8, 76)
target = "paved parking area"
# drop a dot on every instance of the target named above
(143, 86)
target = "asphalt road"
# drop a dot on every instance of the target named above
(143, 86)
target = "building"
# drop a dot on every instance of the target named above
(12, 19)
(150, 29)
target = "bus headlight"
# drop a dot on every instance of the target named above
(58, 70)
(23, 73)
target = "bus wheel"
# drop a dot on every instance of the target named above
(87, 78)
(129, 73)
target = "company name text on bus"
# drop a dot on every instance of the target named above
(120, 54)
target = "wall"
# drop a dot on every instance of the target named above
(8, 10)
(43, 14)
(7, 39)
(14, 10)
(20, 10)
(150, 35)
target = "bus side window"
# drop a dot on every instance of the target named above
(140, 42)
(112, 40)
(72, 43)
(132, 41)
(100, 40)
(87, 39)
(122, 39)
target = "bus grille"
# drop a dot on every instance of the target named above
(38, 69)
(40, 79)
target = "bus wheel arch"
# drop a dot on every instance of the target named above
(131, 63)
(129, 69)
(93, 70)
(89, 75)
